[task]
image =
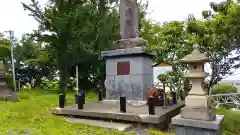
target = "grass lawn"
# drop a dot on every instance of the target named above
(32, 116)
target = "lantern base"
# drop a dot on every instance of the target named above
(197, 102)
(198, 114)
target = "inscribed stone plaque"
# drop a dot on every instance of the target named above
(123, 68)
(129, 19)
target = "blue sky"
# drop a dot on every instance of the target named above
(13, 17)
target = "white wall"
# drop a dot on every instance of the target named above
(160, 70)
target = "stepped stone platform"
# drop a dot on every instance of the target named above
(100, 123)
(111, 111)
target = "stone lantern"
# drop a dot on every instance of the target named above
(197, 103)
(197, 117)
(5, 92)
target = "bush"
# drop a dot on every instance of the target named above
(10, 82)
(49, 85)
(223, 88)
(231, 122)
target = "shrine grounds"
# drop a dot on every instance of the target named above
(32, 116)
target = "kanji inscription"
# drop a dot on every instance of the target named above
(129, 19)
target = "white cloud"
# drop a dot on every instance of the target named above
(166, 10)
(13, 17)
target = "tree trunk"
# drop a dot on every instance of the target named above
(63, 79)
(63, 73)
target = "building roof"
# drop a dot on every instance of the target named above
(161, 64)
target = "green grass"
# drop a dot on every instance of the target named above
(32, 116)
(231, 123)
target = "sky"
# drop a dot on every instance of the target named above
(14, 17)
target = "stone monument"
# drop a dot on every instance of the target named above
(197, 117)
(5, 92)
(128, 68)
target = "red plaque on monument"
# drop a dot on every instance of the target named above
(123, 68)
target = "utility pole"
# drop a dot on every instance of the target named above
(11, 33)
(77, 89)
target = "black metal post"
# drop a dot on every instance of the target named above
(61, 100)
(80, 102)
(83, 96)
(151, 107)
(174, 97)
(123, 104)
(100, 95)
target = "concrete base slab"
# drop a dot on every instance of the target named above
(197, 127)
(111, 111)
(100, 123)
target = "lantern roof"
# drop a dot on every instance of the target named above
(195, 56)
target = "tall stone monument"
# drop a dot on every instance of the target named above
(197, 117)
(128, 68)
(5, 92)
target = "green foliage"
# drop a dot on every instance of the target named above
(230, 125)
(10, 81)
(156, 132)
(5, 51)
(172, 80)
(26, 50)
(4, 48)
(26, 87)
(73, 41)
(223, 88)
(169, 40)
(162, 77)
(32, 115)
(173, 40)
(49, 85)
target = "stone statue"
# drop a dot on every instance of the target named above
(129, 25)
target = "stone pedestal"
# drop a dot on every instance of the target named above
(128, 73)
(198, 108)
(197, 127)
(197, 117)
(5, 92)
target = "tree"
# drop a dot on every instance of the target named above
(74, 41)
(57, 18)
(25, 49)
(33, 61)
(223, 88)
(170, 42)
(213, 35)
(5, 51)
(216, 35)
